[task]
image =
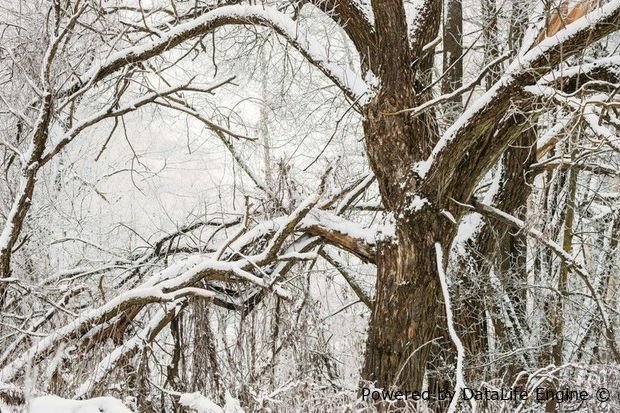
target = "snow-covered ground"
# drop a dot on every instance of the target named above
(195, 402)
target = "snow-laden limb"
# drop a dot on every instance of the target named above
(469, 226)
(526, 69)
(587, 109)
(460, 350)
(568, 260)
(198, 403)
(599, 69)
(109, 362)
(604, 19)
(337, 231)
(270, 253)
(88, 319)
(551, 137)
(347, 80)
(279, 229)
(178, 281)
(57, 43)
(536, 23)
(169, 285)
(342, 233)
(592, 118)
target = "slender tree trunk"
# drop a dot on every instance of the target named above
(452, 53)
(567, 245)
(558, 313)
(263, 122)
(205, 367)
(491, 45)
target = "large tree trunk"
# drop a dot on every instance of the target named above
(408, 311)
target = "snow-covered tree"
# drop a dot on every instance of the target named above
(487, 133)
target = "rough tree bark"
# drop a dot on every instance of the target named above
(405, 314)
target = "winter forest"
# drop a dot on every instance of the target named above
(227, 206)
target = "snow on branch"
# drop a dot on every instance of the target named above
(342, 233)
(460, 350)
(198, 403)
(138, 296)
(337, 231)
(177, 282)
(347, 80)
(551, 137)
(572, 38)
(592, 119)
(603, 68)
(55, 404)
(568, 260)
(586, 110)
(526, 69)
(145, 335)
(112, 111)
(283, 232)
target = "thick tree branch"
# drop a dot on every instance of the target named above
(392, 46)
(473, 144)
(354, 21)
(424, 25)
